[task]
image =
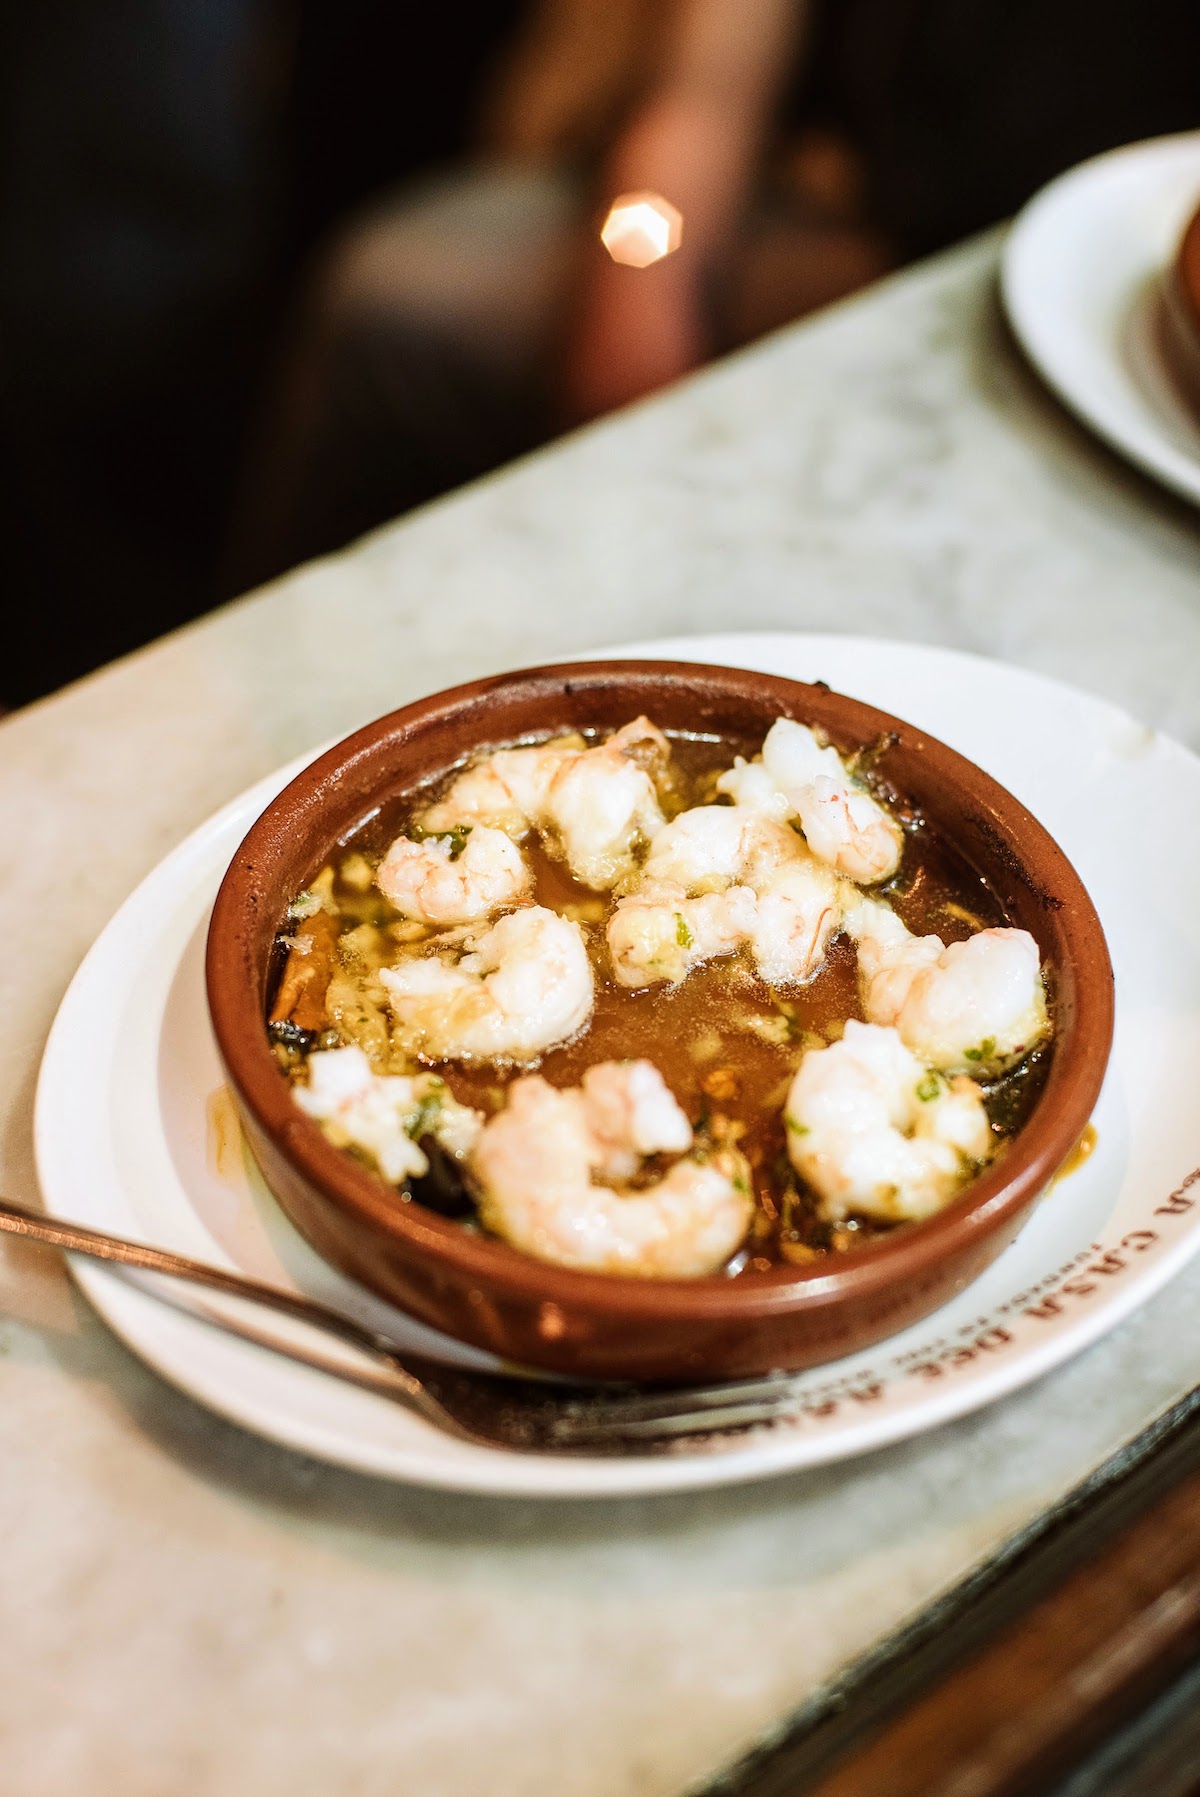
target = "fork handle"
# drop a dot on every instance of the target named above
(464, 1404)
(15, 1219)
(421, 1385)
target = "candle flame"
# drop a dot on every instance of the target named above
(641, 228)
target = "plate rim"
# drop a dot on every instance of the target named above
(1152, 451)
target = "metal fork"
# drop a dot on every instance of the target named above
(497, 1410)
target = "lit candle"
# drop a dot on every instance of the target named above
(641, 228)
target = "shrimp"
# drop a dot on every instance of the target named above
(701, 850)
(632, 1112)
(716, 877)
(751, 788)
(843, 825)
(973, 1006)
(506, 789)
(873, 1131)
(604, 804)
(385, 1114)
(595, 806)
(659, 933)
(798, 911)
(454, 878)
(547, 1171)
(523, 986)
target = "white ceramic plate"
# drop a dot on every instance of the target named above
(135, 1133)
(1080, 281)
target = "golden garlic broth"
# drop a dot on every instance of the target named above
(726, 1044)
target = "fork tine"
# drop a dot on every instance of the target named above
(586, 1430)
(683, 1416)
(715, 1401)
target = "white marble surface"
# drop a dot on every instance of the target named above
(189, 1612)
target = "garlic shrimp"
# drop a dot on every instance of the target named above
(659, 933)
(594, 806)
(975, 1006)
(548, 1170)
(877, 1134)
(717, 877)
(385, 1114)
(507, 994)
(456, 877)
(843, 825)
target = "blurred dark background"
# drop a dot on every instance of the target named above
(274, 271)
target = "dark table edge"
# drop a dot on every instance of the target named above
(882, 1682)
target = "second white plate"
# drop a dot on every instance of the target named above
(135, 1132)
(1080, 281)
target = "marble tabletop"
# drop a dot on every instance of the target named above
(189, 1610)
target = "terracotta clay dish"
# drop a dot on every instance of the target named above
(794, 1312)
(1181, 313)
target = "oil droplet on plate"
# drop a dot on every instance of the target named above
(224, 1136)
(1080, 1153)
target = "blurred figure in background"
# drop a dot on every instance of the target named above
(810, 146)
(172, 169)
(462, 320)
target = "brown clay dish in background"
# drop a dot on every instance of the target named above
(600, 1325)
(1180, 314)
